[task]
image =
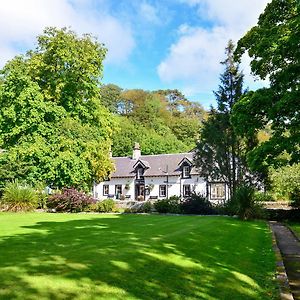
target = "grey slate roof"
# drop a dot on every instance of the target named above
(157, 165)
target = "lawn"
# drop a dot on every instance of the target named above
(296, 228)
(90, 256)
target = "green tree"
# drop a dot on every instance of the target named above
(147, 119)
(51, 118)
(152, 141)
(219, 150)
(111, 97)
(286, 181)
(273, 45)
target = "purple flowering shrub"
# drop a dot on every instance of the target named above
(70, 200)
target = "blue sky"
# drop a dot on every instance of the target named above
(151, 44)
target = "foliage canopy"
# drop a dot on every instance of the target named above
(273, 45)
(52, 124)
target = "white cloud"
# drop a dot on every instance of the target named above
(21, 21)
(195, 57)
(149, 13)
(196, 54)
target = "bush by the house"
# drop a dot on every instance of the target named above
(104, 206)
(243, 204)
(140, 207)
(70, 200)
(171, 205)
(146, 207)
(18, 197)
(197, 204)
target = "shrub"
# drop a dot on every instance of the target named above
(283, 214)
(243, 204)
(295, 197)
(146, 207)
(171, 205)
(197, 204)
(70, 200)
(104, 206)
(140, 207)
(263, 196)
(42, 194)
(19, 197)
(285, 181)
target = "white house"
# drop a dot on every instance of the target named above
(149, 177)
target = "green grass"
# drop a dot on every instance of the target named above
(296, 228)
(90, 256)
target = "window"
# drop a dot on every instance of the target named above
(118, 191)
(186, 190)
(105, 190)
(139, 173)
(162, 191)
(186, 171)
(217, 191)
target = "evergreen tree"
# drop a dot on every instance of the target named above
(219, 150)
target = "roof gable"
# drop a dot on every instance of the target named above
(143, 163)
(155, 165)
(185, 160)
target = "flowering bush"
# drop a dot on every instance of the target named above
(70, 200)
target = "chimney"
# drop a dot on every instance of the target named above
(136, 151)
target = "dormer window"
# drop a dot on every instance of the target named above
(186, 171)
(185, 166)
(139, 173)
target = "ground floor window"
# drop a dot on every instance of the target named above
(217, 190)
(162, 191)
(105, 190)
(186, 190)
(118, 191)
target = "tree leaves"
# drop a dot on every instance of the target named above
(51, 118)
(273, 45)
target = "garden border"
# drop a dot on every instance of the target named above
(281, 275)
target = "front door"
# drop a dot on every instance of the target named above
(139, 192)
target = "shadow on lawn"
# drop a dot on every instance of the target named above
(125, 257)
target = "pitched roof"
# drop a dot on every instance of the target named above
(157, 165)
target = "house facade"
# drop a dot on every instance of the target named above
(152, 177)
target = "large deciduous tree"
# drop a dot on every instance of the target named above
(52, 123)
(219, 152)
(273, 45)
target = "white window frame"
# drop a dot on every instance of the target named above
(186, 171)
(162, 187)
(104, 187)
(184, 190)
(139, 173)
(217, 191)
